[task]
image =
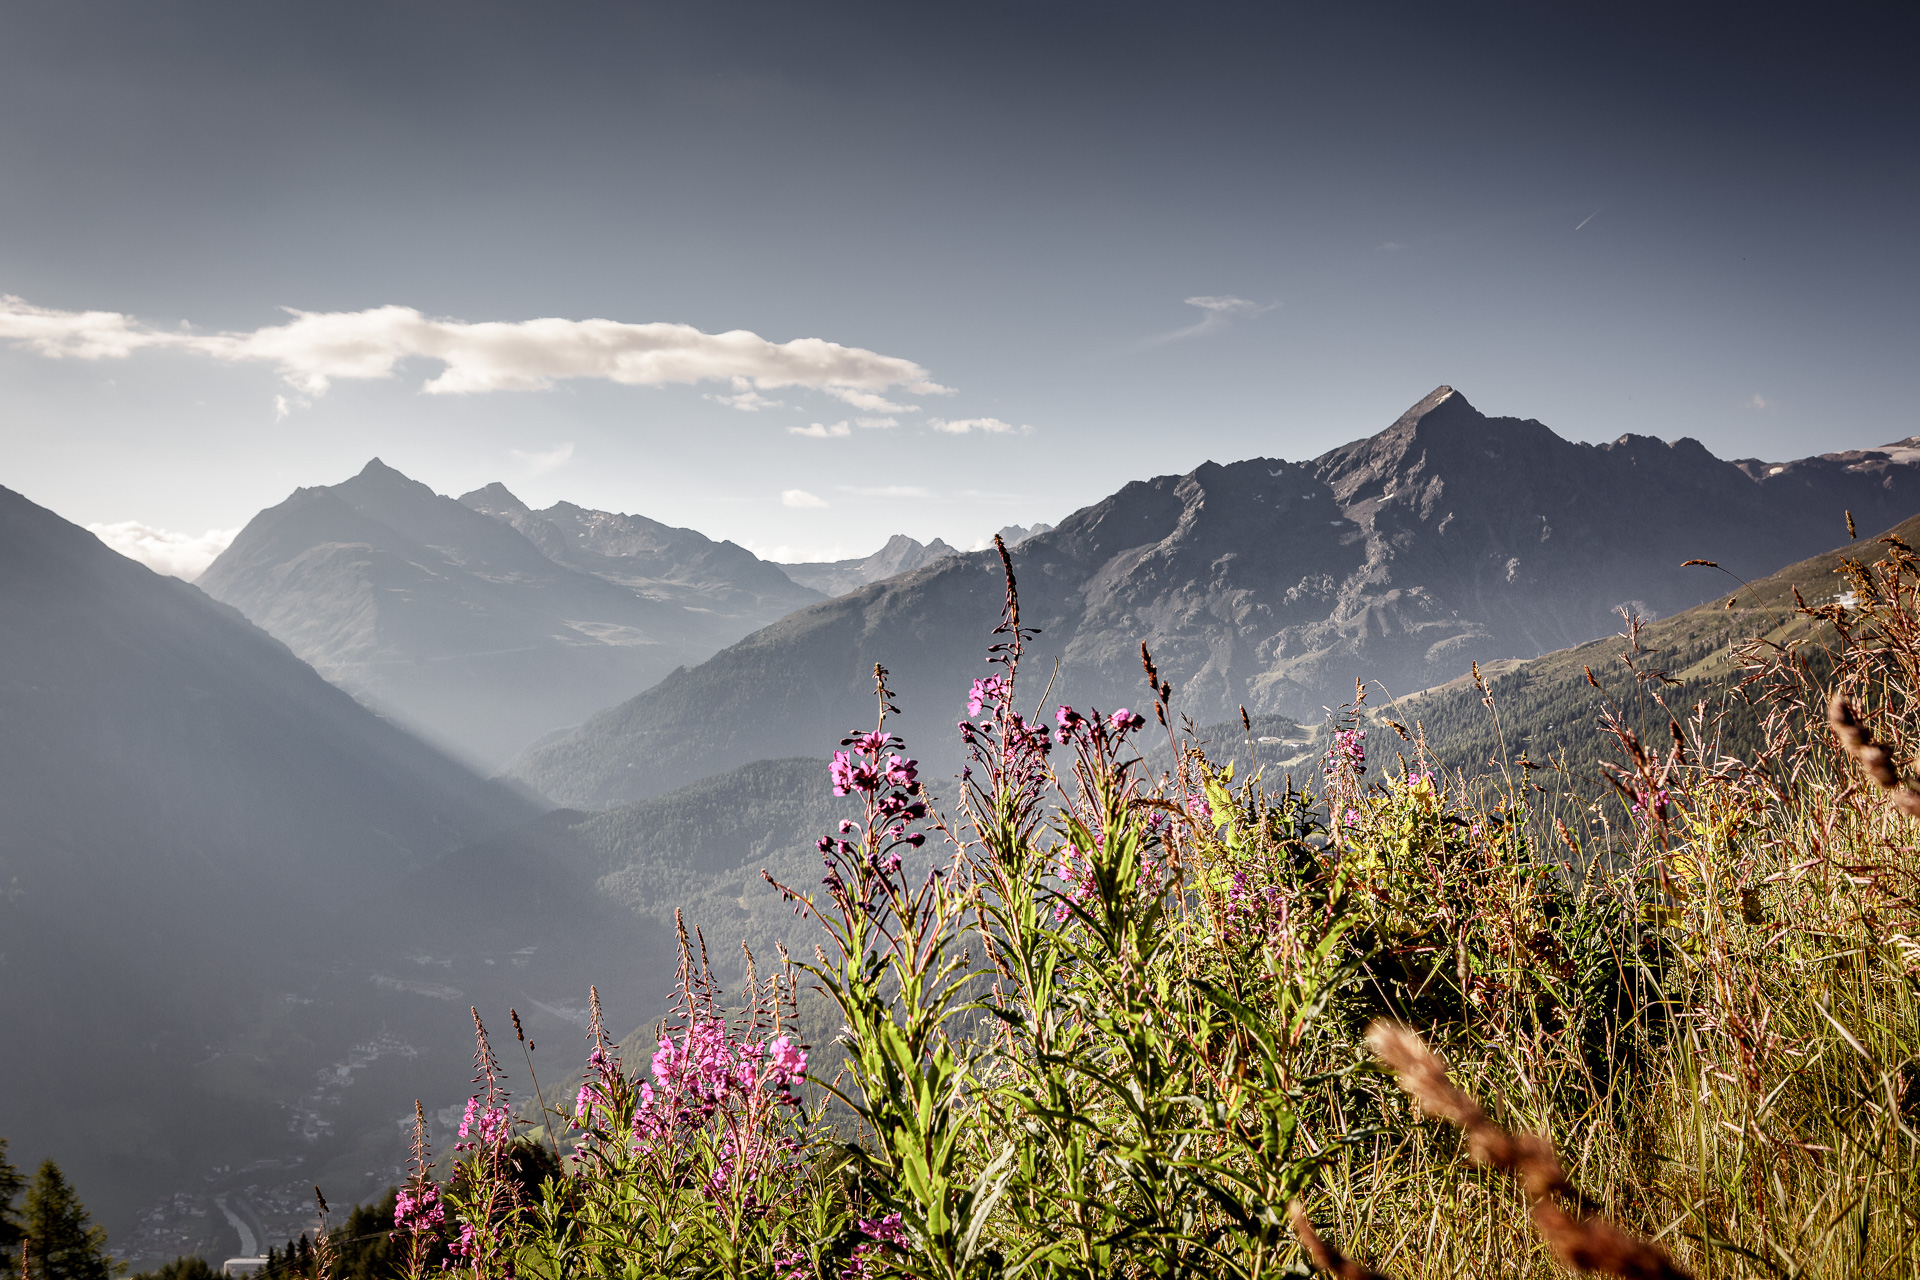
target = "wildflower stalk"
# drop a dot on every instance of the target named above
(418, 1214)
(899, 979)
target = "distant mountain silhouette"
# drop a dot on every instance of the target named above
(1015, 534)
(727, 584)
(838, 577)
(1448, 537)
(482, 624)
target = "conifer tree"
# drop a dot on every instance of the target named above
(62, 1243)
(185, 1267)
(11, 1185)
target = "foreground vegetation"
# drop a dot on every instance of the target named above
(1090, 1022)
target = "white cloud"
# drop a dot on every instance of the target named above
(822, 431)
(181, 555)
(876, 422)
(888, 491)
(961, 426)
(1392, 246)
(1759, 402)
(314, 348)
(868, 400)
(1217, 309)
(81, 335)
(748, 402)
(542, 461)
(800, 498)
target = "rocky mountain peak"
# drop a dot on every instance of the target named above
(1429, 404)
(497, 501)
(377, 475)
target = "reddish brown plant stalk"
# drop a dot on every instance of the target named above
(1323, 1255)
(1874, 759)
(1584, 1242)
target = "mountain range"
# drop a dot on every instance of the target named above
(838, 577)
(1449, 537)
(901, 555)
(480, 623)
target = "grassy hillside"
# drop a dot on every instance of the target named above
(1545, 709)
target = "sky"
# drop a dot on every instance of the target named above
(807, 275)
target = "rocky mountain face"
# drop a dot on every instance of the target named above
(837, 577)
(737, 589)
(482, 624)
(228, 891)
(1401, 558)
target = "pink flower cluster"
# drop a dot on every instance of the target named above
(706, 1072)
(483, 1125)
(988, 691)
(418, 1213)
(1349, 751)
(1078, 878)
(1200, 810)
(884, 1235)
(1095, 730)
(862, 769)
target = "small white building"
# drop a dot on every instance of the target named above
(243, 1266)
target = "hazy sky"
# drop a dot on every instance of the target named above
(1055, 246)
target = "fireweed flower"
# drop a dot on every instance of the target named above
(1076, 876)
(483, 1124)
(988, 690)
(789, 1061)
(884, 1235)
(1349, 751)
(1199, 809)
(417, 1213)
(850, 774)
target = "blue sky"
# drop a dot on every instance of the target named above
(1077, 244)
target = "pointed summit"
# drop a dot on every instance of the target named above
(1454, 404)
(382, 483)
(497, 501)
